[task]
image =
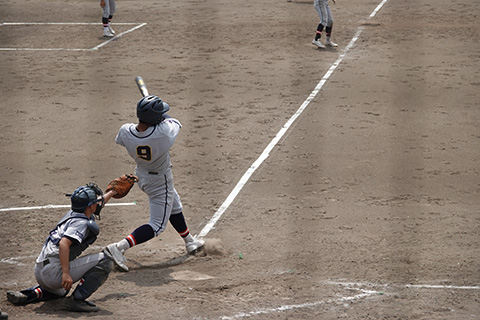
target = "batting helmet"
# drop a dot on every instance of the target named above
(82, 198)
(150, 109)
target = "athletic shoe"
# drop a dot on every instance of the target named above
(329, 43)
(318, 44)
(107, 33)
(194, 246)
(110, 29)
(80, 305)
(16, 297)
(3, 315)
(112, 251)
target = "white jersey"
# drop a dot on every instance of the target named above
(150, 148)
(76, 229)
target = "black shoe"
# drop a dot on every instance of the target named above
(3, 315)
(80, 305)
(16, 297)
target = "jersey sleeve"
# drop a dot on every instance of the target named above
(170, 129)
(119, 139)
(77, 229)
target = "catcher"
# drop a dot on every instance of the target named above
(149, 143)
(59, 266)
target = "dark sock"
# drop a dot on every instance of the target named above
(178, 222)
(140, 235)
(318, 35)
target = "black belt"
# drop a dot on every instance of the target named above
(152, 172)
(45, 262)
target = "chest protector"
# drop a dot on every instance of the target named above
(77, 248)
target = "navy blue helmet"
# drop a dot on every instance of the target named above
(150, 109)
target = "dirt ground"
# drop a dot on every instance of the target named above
(368, 207)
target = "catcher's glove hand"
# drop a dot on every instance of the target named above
(122, 185)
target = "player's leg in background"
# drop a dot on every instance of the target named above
(113, 8)
(328, 29)
(105, 16)
(321, 8)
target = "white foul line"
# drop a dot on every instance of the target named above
(55, 206)
(246, 176)
(69, 23)
(349, 285)
(377, 9)
(15, 259)
(299, 306)
(62, 23)
(414, 286)
(117, 36)
(428, 286)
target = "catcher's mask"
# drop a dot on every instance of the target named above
(150, 109)
(85, 196)
(100, 199)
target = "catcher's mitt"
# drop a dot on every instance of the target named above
(122, 185)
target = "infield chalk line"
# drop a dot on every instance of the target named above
(430, 286)
(55, 206)
(137, 26)
(414, 286)
(348, 285)
(377, 9)
(246, 176)
(117, 36)
(62, 23)
(366, 293)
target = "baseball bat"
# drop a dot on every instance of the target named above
(141, 86)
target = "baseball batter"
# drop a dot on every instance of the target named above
(108, 9)
(326, 21)
(149, 143)
(57, 267)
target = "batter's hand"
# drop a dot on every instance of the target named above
(102, 3)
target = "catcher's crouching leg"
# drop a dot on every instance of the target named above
(93, 278)
(30, 295)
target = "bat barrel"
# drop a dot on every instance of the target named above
(141, 86)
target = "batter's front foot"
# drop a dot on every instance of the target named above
(114, 253)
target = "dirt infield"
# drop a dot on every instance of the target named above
(367, 208)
